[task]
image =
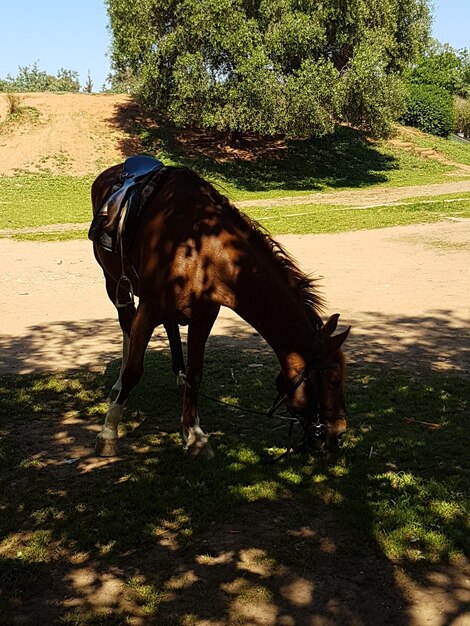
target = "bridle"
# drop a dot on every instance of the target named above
(313, 430)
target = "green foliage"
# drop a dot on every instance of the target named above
(268, 67)
(462, 116)
(444, 67)
(429, 108)
(371, 97)
(441, 69)
(31, 78)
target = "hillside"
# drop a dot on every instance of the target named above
(79, 134)
(66, 133)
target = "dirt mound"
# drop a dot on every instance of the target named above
(65, 133)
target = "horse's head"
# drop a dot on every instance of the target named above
(316, 395)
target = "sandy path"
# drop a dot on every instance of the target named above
(405, 291)
(365, 198)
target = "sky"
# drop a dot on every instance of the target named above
(73, 34)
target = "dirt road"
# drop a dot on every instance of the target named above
(404, 290)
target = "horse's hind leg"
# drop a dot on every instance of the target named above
(195, 439)
(126, 316)
(177, 358)
(142, 328)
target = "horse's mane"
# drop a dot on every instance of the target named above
(302, 285)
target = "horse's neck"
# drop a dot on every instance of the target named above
(280, 317)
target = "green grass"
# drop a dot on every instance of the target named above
(396, 487)
(41, 199)
(451, 148)
(302, 219)
(62, 235)
(306, 219)
(345, 160)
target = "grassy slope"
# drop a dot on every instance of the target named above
(316, 219)
(346, 160)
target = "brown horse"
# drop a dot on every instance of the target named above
(193, 252)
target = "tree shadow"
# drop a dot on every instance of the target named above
(346, 158)
(158, 538)
(438, 341)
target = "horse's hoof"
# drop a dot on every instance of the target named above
(201, 449)
(106, 447)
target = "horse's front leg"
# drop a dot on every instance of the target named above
(197, 442)
(141, 331)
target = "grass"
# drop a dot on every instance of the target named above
(343, 160)
(347, 159)
(451, 148)
(305, 219)
(302, 219)
(38, 200)
(396, 484)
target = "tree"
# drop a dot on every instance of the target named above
(269, 66)
(430, 108)
(443, 66)
(434, 83)
(88, 88)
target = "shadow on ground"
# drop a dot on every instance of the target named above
(347, 158)
(438, 341)
(154, 537)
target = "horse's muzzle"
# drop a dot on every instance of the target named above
(334, 432)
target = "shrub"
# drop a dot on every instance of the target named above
(462, 116)
(14, 103)
(429, 108)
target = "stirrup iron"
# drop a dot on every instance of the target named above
(126, 284)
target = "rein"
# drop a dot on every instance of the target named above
(311, 432)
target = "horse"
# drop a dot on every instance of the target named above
(191, 252)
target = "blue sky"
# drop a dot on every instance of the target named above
(73, 34)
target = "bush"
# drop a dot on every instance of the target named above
(429, 108)
(31, 78)
(462, 116)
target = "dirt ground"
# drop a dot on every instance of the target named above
(405, 291)
(74, 134)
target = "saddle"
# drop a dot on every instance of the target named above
(139, 180)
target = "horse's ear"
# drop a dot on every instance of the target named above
(334, 343)
(330, 326)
